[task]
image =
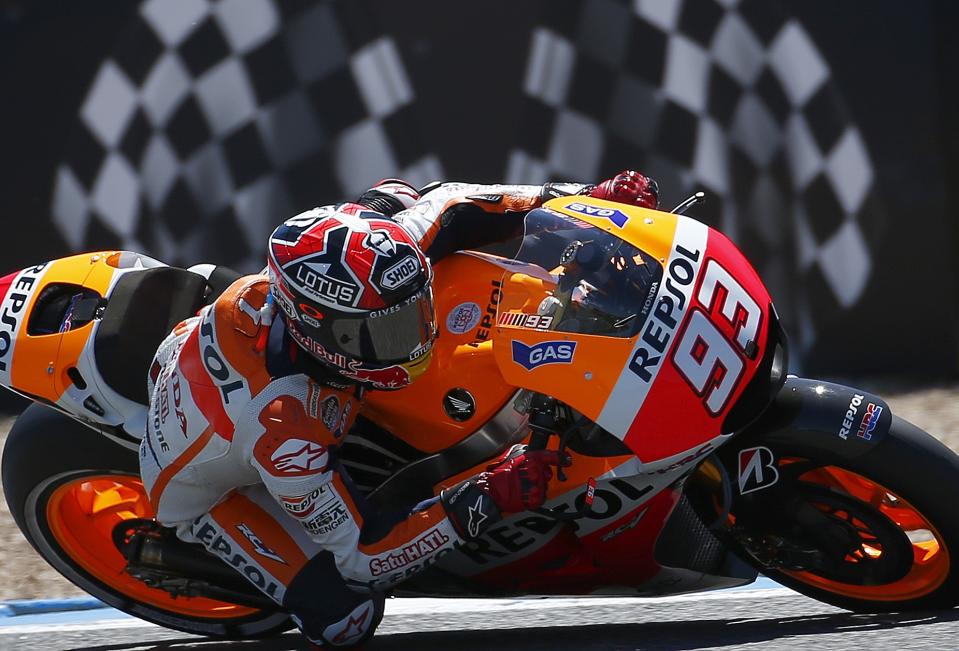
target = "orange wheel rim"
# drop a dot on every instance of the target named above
(931, 561)
(82, 514)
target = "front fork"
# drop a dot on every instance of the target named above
(750, 489)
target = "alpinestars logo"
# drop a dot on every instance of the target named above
(297, 456)
(476, 517)
(258, 545)
(757, 469)
(356, 625)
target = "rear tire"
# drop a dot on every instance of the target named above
(49, 459)
(905, 486)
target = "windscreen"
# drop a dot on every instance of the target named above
(588, 280)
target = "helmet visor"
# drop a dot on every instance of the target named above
(397, 334)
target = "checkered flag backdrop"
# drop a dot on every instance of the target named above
(728, 96)
(215, 120)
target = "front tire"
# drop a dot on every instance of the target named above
(872, 533)
(67, 487)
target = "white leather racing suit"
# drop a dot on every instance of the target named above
(240, 451)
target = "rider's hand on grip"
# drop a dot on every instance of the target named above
(518, 482)
(628, 187)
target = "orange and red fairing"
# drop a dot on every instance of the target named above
(667, 389)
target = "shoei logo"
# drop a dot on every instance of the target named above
(400, 273)
(546, 352)
(611, 214)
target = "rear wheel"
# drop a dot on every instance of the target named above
(879, 532)
(68, 487)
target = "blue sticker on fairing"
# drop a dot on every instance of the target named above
(611, 214)
(546, 352)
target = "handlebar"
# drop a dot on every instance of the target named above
(540, 424)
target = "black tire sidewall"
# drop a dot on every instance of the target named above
(43, 443)
(914, 466)
(31, 474)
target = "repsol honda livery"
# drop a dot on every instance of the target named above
(641, 343)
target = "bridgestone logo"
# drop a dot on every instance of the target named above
(400, 273)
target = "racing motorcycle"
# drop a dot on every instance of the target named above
(640, 342)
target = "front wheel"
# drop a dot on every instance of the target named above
(871, 533)
(67, 488)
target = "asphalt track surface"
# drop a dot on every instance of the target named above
(763, 618)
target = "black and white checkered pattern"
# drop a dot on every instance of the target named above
(730, 96)
(215, 120)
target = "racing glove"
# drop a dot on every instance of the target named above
(518, 482)
(514, 484)
(628, 187)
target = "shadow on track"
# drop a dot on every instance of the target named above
(672, 636)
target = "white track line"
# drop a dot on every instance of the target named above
(103, 625)
(427, 605)
(430, 606)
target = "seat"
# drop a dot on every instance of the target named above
(142, 310)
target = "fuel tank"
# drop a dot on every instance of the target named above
(462, 389)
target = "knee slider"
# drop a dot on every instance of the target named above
(328, 612)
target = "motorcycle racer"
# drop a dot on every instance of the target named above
(251, 397)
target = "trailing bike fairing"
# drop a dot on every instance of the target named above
(61, 347)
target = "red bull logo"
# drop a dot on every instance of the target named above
(391, 377)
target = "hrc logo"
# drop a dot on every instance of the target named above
(869, 421)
